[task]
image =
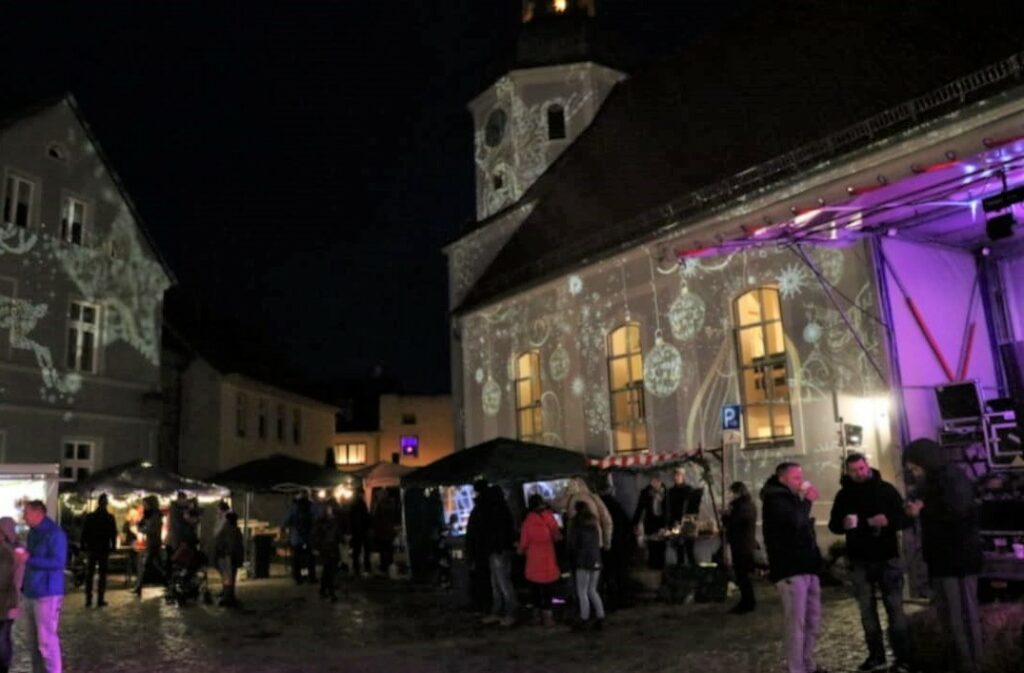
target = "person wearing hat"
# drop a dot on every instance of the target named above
(12, 572)
(943, 500)
(99, 537)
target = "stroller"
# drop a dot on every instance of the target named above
(188, 579)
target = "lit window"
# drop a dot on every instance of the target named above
(560, 5)
(350, 454)
(410, 445)
(529, 414)
(296, 426)
(240, 409)
(556, 122)
(17, 201)
(78, 459)
(626, 388)
(280, 422)
(761, 355)
(83, 336)
(261, 421)
(72, 221)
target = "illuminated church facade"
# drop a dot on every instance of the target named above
(81, 295)
(712, 233)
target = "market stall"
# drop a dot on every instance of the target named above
(20, 483)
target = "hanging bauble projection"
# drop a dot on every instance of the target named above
(686, 315)
(663, 368)
(490, 397)
(812, 333)
(558, 364)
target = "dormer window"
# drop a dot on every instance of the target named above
(494, 130)
(498, 181)
(556, 122)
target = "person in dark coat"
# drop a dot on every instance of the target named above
(229, 550)
(943, 500)
(491, 539)
(359, 528)
(869, 512)
(740, 520)
(616, 560)
(683, 499)
(793, 560)
(99, 538)
(299, 524)
(151, 527)
(12, 573)
(650, 517)
(326, 540)
(584, 546)
(386, 520)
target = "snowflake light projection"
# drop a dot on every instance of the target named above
(812, 333)
(478, 375)
(690, 267)
(490, 397)
(596, 411)
(791, 281)
(575, 285)
(686, 315)
(663, 368)
(558, 364)
(578, 386)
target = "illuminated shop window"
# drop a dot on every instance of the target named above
(761, 355)
(72, 221)
(556, 122)
(261, 419)
(83, 336)
(626, 388)
(17, 201)
(240, 409)
(350, 454)
(280, 422)
(296, 426)
(529, 414)
(77, 460)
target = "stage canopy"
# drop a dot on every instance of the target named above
(499, 460)
(279, 473)
(143, 478)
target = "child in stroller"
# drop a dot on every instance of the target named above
(188, 580)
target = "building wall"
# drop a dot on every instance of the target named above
(685, 314)
(42, 399)
(432, 425)
(199, 443)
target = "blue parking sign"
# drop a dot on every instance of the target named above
(731, 417)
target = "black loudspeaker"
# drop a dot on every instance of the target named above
(1000, 226)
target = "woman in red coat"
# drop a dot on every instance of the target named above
(537, 541)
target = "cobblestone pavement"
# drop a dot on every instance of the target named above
(380, 625)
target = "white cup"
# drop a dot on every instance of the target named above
(850, 521)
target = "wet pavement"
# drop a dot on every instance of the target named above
(383, 625)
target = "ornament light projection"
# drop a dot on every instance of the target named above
(686, 314)
(663, 365)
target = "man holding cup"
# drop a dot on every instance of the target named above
(869, 511)
(794, 560)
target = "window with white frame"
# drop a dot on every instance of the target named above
(261, 420)
(529, 412)
(296, 426)
(280, 422)
(83, 336)
(626, 388)
(764, 376)
(72, 221)
(350, 454)
(18, 201)
(241, 402)
(78, 459)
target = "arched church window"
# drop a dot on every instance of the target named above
(529, 413)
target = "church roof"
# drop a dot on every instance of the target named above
(781, 76)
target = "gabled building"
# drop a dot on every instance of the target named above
(81, 291)
(789, 217)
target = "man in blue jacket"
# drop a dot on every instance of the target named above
(44, 586)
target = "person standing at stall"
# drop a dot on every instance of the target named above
(681, 499)
(326, 539)
(537, 541)
(490, 539)
(616, 559)
(944, 502)
(12, 573)
(649, 519)
(43, 587)
(359, 528)
(740, 520)
(299, 524)
(99, 538)
(584, 544)
(229, 549)
(151, 527)
(793, 560)
(386, 520)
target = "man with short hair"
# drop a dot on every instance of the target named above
(490, 540)
(794, 560)
(869, 511)
(650, 517)
(951, 544)
(43, 587)
(683, 499)
(99, 537)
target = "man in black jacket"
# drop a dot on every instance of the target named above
(740, 520)
(793, 560)
(650, 517)
(490, 539)
(99, 537)
(683, 499)
(944, 502)
(869, 511)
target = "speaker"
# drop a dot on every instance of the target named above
(1000, 226)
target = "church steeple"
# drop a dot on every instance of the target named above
(557, 31)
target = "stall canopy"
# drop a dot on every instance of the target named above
(499, 460)
(279, 473)
(382, 475)
(142, 477)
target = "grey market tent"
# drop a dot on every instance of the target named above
(142, 477)
(279, 473)
(499, 460)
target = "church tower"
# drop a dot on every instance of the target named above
(528, 117)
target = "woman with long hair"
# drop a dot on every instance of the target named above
(537, 541)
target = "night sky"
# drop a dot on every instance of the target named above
(299, 164)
